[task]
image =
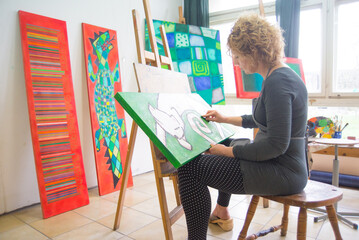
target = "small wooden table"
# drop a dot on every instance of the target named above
(335, 176)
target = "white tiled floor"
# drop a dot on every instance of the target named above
(143, 218)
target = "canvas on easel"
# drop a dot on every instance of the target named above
(53, 120)
(195, 51)
(173, 123)
(158, 80)
(169, 81)
(162, 167)
(107, 116)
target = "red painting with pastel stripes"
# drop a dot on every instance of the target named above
(52, 113)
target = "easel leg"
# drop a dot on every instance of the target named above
(125, 174)
(265, 203)
(161, 195)
(175, 187)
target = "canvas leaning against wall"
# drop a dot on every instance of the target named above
(53, 120)
(107, 116)
(249, 85)
(195, 51)
(173, 123)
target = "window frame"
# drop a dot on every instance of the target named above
(329, 8)
(332, 7)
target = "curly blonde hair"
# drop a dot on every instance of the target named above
(254, 37)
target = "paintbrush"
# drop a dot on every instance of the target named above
(344, 126)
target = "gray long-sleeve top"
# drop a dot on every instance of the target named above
(275, 162)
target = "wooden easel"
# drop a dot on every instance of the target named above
(162, 168)
(181, 20)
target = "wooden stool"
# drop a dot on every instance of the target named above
(315, 194)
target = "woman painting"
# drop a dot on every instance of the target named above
(274, 163)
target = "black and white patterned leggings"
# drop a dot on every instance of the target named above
(219, 172)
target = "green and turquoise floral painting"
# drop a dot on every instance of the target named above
(174, 124)
(195, 51)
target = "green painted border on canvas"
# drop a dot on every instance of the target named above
(187, 155)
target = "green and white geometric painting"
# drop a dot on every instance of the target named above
(173, 123)
(195, 51)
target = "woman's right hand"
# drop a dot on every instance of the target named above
(214, 116)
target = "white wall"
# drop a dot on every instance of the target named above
(18, 184)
